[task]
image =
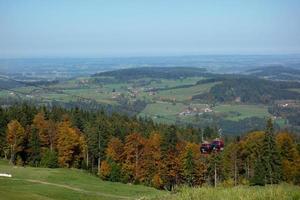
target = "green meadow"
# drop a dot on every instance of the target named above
(28, 183)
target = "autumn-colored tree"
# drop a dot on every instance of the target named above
(249, 150)
(105, 170)
(40, 124)
(111, 167)
(290, 156)
(114, 149)
(133, 149)
(16, 138)
(193, 168)
(170, 159)
(46, 130)
(151, 161)
(70, 145)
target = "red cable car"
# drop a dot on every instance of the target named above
(205, 147)
(216, 145)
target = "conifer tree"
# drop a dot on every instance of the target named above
(189, 167)
(259, 173)
(270, 156)
(169, 157)
(34, 147)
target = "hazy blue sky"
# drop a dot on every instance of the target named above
(86, 28)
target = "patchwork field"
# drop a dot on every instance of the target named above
(162, 99)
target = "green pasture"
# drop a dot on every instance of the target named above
(30, 183)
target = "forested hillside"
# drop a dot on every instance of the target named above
(248, 89)
(123, 149)
(153, 72)
(277, 73)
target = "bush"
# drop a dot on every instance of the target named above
(49, 159)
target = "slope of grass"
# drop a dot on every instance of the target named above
(238, 112)
(184, 94)
(68, 184)
(274, 192)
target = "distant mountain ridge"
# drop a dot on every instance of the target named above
(153, 72)
(277, 72)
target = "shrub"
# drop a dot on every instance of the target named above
(49, 159)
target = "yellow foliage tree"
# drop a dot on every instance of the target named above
(105, 169)
(114, 149)
(290, 156)
(15, 137)
(70, 145)
(151, 161)
(46, 130)
(133, 150)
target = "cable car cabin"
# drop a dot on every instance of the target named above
(216, 145)
(205, 147)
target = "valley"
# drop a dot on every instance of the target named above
(186, 96)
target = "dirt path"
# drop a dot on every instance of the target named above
(71, 188)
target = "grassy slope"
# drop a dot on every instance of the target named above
(41, 183)
(243, 110)
(183, 94)
(282, 192)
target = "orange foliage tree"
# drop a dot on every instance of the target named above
(290, 156)
(133, 149)
(151, 161)
(46, 130)
(70, 145)
(16, 137)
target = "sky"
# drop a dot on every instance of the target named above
(109, 28)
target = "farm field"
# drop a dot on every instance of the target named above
(68, 184)
(184, 94)
(238, 112)
(165, 99)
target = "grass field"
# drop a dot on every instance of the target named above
(164, 111)
(64, 184)
(275, 192)
(238, 112)
(165, 83)
(184, 94)
(71, 184)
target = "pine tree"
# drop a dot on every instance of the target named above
(259, 173)
(3, 122)
(270, 156)
(189, 167)
(34, 148)
(169, 157)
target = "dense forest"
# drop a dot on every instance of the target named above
(248, 89)
(153, 72)
(276, 72)
(126, 149)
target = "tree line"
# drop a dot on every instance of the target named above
(131, 150)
